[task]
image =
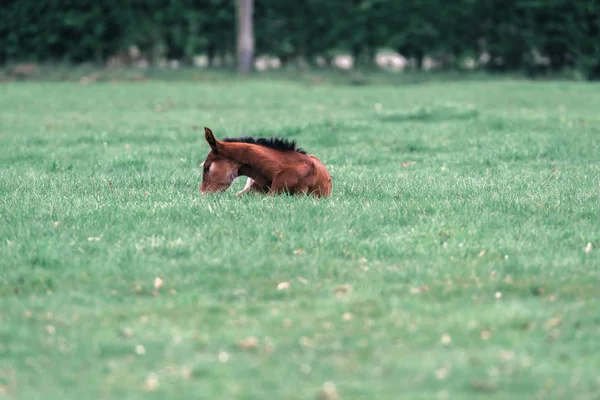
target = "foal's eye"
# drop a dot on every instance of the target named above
(206, 168)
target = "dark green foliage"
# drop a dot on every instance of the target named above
(538, 36)
(79, 30)
(568, 33)
(75, 30)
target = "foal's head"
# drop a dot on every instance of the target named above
(219, 172)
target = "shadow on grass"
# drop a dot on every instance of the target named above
(430, 115)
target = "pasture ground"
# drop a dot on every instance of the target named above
(452, 260)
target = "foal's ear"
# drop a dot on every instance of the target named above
(210, 138)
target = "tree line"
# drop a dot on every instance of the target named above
(537, 36)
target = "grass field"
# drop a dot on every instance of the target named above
(451, 262)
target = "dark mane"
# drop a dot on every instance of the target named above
(275, 143)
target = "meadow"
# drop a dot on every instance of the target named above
(458, 256)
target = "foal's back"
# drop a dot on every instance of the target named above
(297, 172)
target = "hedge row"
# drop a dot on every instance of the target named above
(536, 35)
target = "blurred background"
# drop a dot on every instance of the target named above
(533, 37)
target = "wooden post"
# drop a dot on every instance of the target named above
(245, 36)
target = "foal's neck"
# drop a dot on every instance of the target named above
(258, 162)
(255, 175)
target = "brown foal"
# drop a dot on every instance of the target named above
(272, 165)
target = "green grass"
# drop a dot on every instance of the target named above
(448, 263)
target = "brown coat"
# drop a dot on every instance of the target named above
(272, 170)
